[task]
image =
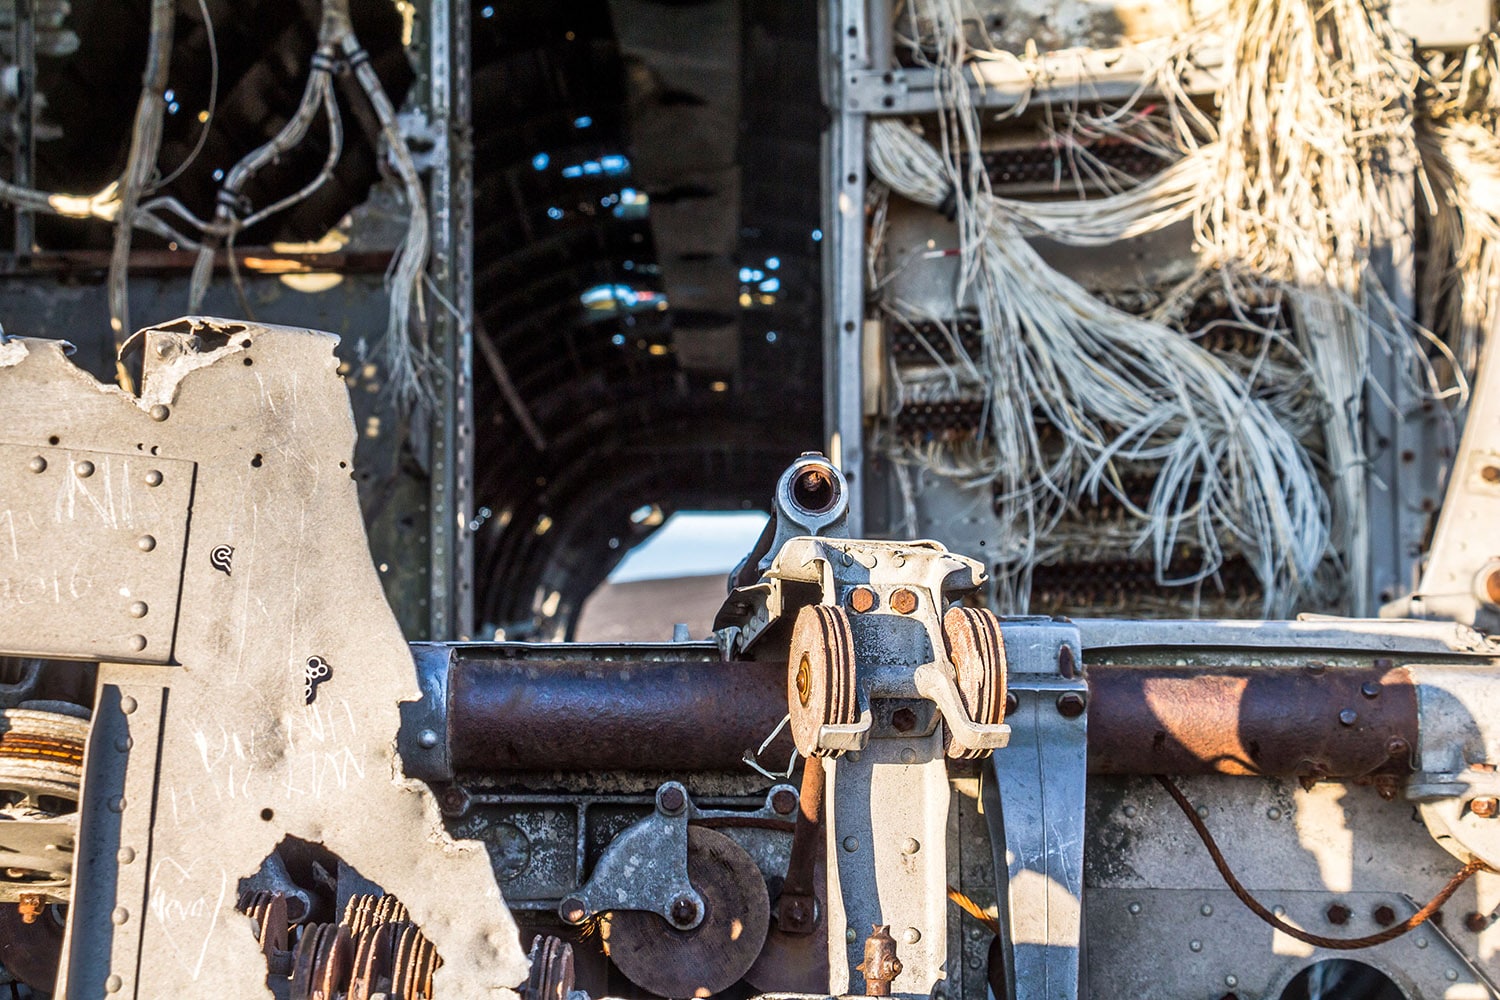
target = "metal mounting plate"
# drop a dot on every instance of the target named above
(91, 548)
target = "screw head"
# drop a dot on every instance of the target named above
(671, 800)
(1397, 746)
(684, 910)
(1070, 705)
(861, 600)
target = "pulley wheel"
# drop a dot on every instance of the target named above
(714, 955)
(820, 676)
(978, 654)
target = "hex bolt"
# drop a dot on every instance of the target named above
(454, 801)
(861, 600)
(783, 801)
(1484, 806)
(572, 910)
(1338, 914)
(671, 799)
(684, 910)
(1070, 705)
(903, 601)
(1384, 915)
(903, 720)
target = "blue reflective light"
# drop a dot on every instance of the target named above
(554, 212)
(540, 161)
(627, 194)
(817, 235)
(614, 164)
(582, 121)
(487, 12)
(745, 274)
(772, 263)
(771, 285)
(576, 170)
(618, 340)
(169, 96)
(592, 168)
(770, 336)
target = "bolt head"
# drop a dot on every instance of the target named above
(572, 910)
(684, 910)
(903, 601)
(454, 801)
(153, 478)
(1384, 915)
(671, 799)
(1070, 705)
(903, 720)
(83, 469)
(1476, 923)
(1484, 806)
(1370, 689)
(1338, 914)
(784, 801)
(861, 600)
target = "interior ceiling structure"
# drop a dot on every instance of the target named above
(646, 253)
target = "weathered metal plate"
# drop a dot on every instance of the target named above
(91, 548)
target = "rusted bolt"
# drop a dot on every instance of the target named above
(784, 801)
(1338, 914)
(30, 904)
(794, 913)
(1384, 915)
(881, 966)
(1477, 923)
(1011, 703)
(684, 910)
(1066, 665)
(861, 600)
(572, 910)
(903, 720)
(454, 801)
(1070, 705)
(1397, 746)
(903, 602)
(671, 801)
(1370, 689)
(1484, 806)
(1348, 717)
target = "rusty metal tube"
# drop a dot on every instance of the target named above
(550, 715)
(698, 715)
(1329, 722)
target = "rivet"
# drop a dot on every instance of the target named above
(851, 935)
(1231, 981)
(137, 609)
(1451, 975)
(1206, 910)
(124, 743)
(427, 738)
(160, 412)
(911, 935)
(83, 469)
(1203, 812)
(120, 915)
(127, 705)
(1273, 814)
(113, 984)
(153, 478)
(1279, 911)
(145, 543)
(1421, 942)
(37, 464)
(1134, 908)
(851, 844)
(1195, 946)
(1348, 716)
(908, 755)
(1370, 689)
(910, 846)
(1130, 812)
(117, 804)
(125, 855)
(137, 642)
(975, 962)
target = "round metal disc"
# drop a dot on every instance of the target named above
(796, 963)
(978, 655)
(712, 956)
(820, 675)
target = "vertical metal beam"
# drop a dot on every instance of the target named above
(848, 53)
(25, 38)
(451, 581)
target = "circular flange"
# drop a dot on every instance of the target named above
(820, 676)
(978, 654)
(712, 956)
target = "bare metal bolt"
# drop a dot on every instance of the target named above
(784, 801)
(1348, 717)
(454, 801)
(1484, 806)
(671, 799)
(1070, 705)
(1338, 914)
(861, 600)
(1384, 915)
(903, 601)
(684, 910)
